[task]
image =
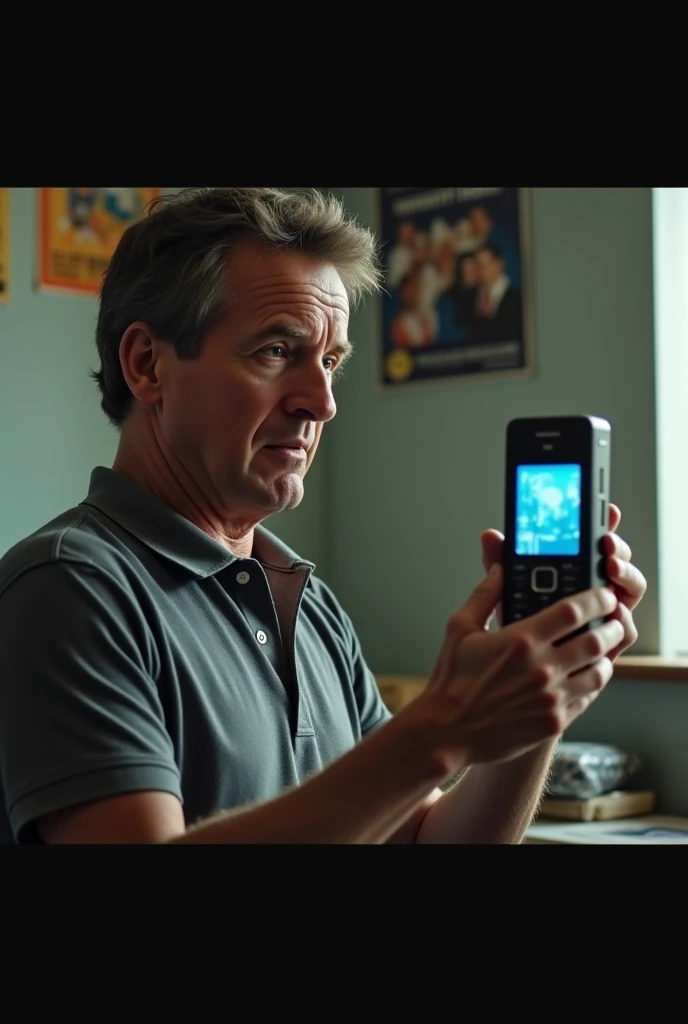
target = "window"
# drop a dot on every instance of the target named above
(670, 243)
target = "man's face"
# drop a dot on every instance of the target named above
(469, 273)
(244, 419)
(480, 221)
(410, 292)
(488, 267)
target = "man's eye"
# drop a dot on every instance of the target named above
(276, 350)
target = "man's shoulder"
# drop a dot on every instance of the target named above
(71, 538)
(322, 597)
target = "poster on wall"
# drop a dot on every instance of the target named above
(4, 244)
(456, 303)
(79, 229)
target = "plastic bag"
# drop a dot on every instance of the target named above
(584, 770)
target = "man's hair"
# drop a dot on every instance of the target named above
(494, 250)
(169, 268)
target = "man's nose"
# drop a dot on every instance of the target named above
(311, 394)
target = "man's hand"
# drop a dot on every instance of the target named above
(494, 696)
(507, 695)
(628, 583)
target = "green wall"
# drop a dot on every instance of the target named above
(51, 429)
(416, 475)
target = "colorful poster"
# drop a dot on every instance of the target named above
(4, 244)
(79, 229)
(457, 299)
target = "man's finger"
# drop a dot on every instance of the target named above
(614, 517)
(615, 545)
(571, 613)
(492, 543)
(629, 582)
(630, 632)
(480, 606)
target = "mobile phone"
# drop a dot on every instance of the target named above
(557, 510)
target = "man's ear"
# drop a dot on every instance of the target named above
(139, 352)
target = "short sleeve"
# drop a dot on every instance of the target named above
(80, 714)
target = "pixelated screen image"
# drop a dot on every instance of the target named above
(548, 510)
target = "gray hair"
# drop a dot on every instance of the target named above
(169, 268)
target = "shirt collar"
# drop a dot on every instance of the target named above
(170, 534)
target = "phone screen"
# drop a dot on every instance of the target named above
(548, 503)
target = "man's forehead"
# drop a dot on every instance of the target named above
(257, 268)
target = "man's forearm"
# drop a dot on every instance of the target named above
(492, 803)
(363, 797)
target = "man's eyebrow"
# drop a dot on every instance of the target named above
(344, 347)
(290, 330)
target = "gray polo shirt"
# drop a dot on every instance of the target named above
(137, 653)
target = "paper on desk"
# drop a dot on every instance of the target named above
(652, 830)
(653, 833)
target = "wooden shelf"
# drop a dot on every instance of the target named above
(651, 667)
(398, 690)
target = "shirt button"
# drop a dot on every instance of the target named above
(261, 637)
(243, 577)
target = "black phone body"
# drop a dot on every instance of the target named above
(556, 509)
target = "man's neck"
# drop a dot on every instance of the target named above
(142, 461)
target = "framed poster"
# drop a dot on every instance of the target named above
(79, 229)
(457, 300)
(4, 244)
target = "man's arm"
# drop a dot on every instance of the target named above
(491, 803)
(394, 767)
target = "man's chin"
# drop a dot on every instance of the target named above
(285, 493)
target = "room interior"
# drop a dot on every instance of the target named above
(407, 478)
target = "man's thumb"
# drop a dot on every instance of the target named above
(484, 600)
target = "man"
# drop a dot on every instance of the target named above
(484, 232)
(169, 671)
(498, 311)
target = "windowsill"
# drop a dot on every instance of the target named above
(399, 690)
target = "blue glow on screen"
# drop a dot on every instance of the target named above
(548, 509)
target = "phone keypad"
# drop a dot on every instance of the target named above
(543, 579)
(536, 588)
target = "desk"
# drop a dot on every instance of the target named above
(617, 832)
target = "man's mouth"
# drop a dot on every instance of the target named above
(294, 448)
